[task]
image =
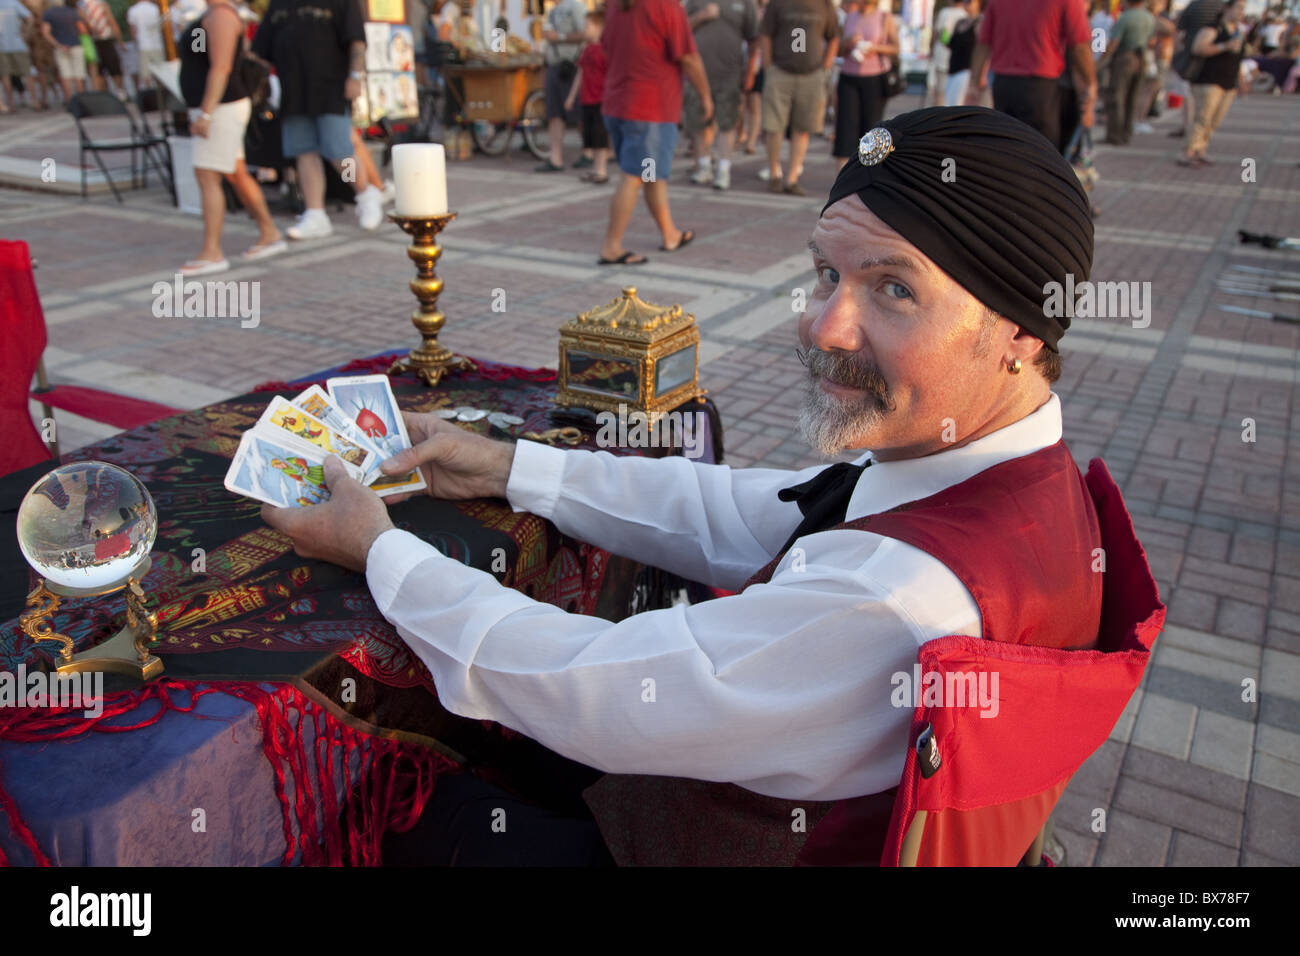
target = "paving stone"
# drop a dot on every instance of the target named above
(1223, 743)
(1165, 725)
(1181, 776)
(1176, 810)
(1270, 823)
(1187, 849)
(1131, 840)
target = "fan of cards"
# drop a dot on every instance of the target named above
(281, 459)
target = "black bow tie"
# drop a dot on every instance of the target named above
(823, 499)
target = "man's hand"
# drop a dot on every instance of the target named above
(351, 88)
(200, 127)
(1088, 113)
(456, 464)
(711, 12)
(342, 529)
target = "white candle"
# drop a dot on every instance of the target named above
(420, 175)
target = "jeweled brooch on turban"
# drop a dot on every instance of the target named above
(875, 146)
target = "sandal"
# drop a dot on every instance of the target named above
(626, 259)
(204, 267)
(687, 236)
(548, 167)
(593, 179)
(265, 251)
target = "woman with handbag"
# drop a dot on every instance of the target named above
(868, 44)
(1214, 80)
(214, 87)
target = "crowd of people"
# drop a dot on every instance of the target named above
(633, 75)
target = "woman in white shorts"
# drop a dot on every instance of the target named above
(219, 112)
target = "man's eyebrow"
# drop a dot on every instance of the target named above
(876, 262)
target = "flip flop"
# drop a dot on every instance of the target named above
(260, 251)
(204, 267)
(548, 167)
(687, 236)
(593, 178)
(624, 260)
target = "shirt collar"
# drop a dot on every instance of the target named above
(887, 484)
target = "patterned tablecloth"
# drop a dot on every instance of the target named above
(300, 640)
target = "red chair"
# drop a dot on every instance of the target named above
(22, 343)
(979, 792)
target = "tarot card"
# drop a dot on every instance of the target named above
(368, 401)
(317, 403)
(280, 473)
(281, 414)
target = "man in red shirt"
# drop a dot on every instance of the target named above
(1027, 42)
(649, 46)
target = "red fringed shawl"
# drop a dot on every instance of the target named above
(395, 779)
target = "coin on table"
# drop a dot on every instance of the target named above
(504, 420)
(466, 414)
(446, 413)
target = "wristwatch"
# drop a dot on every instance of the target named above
(356, 75)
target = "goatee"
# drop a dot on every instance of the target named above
(829, 424)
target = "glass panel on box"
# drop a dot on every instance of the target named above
(603, 373)
(674, 370)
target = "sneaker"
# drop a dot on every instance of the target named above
(389, 192)
(312, 224)
(765, 174)
(370, 208)
(702, 176)
(722, 179)
(1143, 128)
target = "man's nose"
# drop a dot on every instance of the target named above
(836, 325)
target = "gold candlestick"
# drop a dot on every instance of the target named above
(430, 360)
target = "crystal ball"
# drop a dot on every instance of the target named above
(87, 525)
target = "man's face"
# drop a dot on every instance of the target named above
(896, 347)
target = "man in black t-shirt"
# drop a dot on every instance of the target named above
(318, 48)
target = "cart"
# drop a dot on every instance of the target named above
(497, 94)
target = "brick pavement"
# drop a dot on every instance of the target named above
(1193, 774)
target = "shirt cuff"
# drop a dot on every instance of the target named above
(535, 478)
(392, 556)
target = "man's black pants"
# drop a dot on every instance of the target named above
(1034, 100)
(472, 823)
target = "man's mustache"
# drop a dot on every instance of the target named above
(842, 368)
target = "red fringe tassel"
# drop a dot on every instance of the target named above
(394, 780)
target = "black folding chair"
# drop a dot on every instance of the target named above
(173, 116)
(138, 142)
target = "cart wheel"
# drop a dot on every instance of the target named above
(491, 138)
(533, 125)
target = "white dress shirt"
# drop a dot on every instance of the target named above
(783, 689)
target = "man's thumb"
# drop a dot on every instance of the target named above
(335, 472)
(400, 463)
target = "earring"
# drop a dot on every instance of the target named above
(1014, 366)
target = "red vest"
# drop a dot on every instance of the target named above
(1068, 612)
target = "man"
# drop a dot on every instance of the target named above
(318, 48)
(1195, 17)
(565, 28)
(62, 25)
(1026, 43)
(937, 355)
(14, 58)
(649, 48)
(797, 40)
(721, 28)
(108, 38)
(1129, 37)
(145, 20)
(945, 23)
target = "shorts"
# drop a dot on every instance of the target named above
(70, 61)
(594, 134)
(642, 148)
(557, 91)
(223, 147)
(329, 134)
(109, 63)
(148, 60)
(797, 100)
(726, 107)
(758, 82)
(17, 63)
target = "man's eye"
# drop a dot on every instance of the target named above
(896, 290)
(827, 274)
